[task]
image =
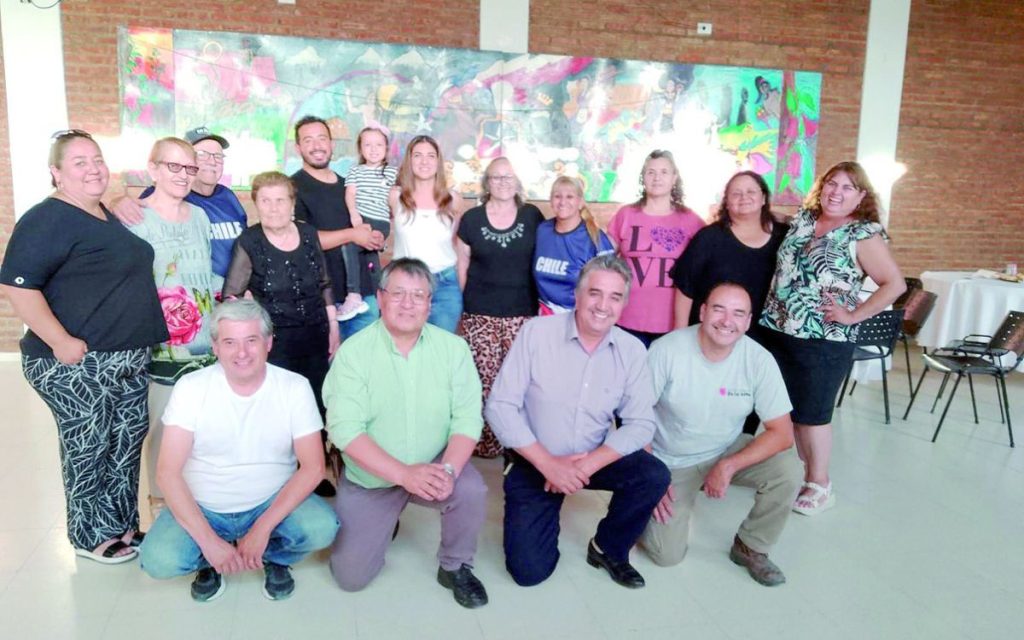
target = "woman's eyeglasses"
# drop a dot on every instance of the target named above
(175, 167)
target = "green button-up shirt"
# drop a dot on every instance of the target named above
(409, 406)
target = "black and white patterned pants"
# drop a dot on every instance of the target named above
(100, 406)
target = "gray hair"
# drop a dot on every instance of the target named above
(410, 267)
(606, 262)
(240, 310)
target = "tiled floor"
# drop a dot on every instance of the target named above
(927, 541)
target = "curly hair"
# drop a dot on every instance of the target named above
(869, 208)
(724, 218)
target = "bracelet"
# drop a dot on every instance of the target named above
(449, 469)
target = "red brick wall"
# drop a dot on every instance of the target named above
(961, 204)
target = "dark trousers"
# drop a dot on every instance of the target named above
(637, 482)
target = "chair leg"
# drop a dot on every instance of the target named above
(913, 394)
(906, 352)
(1001, 381)
(948, 402)
(999, 401)
(846, 380)
(852, 387)
(942, 389)
(885, 390)
(974, 404)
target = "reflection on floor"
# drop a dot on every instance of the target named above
(925, 542)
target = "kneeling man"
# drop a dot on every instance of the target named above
(707, 380)
(403, 406)
(227, 467)
(563, 384)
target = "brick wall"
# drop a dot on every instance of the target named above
(962, 103)
(961, 204)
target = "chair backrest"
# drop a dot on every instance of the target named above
(881, 330)
(1010, 334)
(916, 309)
(913, 284)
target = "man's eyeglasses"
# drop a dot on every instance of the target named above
(175, 167)
(206, 155)
(418, 296)
(70, 133)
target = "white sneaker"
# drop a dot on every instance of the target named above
(351, 308)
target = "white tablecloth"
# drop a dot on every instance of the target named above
(966, 305)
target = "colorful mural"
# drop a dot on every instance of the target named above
(594, 118)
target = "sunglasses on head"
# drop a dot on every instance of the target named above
(175, 167)
(70, 133)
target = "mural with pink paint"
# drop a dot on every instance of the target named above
(594, 118)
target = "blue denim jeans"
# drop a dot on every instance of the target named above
(169, 550)
(354, 325)
(446, 305)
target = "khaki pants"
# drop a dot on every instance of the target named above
(776, 481)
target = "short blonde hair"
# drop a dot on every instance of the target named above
(272, 179)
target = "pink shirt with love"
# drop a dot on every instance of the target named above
(651, 245)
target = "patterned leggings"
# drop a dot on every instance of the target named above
(101, 411)
(489, 339)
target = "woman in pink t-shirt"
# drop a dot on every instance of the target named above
(650, 234)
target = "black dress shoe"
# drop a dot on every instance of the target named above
(468, 590)
(621, 572)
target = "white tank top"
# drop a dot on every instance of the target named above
(427, 237)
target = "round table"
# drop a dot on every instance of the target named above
(966, 305)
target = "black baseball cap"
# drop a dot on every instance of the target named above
(202, 133)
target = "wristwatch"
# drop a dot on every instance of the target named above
(449, 469)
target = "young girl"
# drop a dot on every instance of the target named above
(367, 186)
(650, 234)
(425, 218)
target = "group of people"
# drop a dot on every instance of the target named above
(661, 347)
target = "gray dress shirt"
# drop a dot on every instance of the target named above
(551, 390)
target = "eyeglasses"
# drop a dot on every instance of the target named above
(175, 167)
(418, 296)
(206, 155)
(502, 179)
(70, 133)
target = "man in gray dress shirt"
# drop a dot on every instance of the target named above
(565, 381)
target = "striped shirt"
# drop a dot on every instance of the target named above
(373, 184)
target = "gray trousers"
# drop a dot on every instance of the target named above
(368, 518)
(776, 481)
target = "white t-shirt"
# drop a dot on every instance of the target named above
(427, 236)
(242, 448)
(701, 405)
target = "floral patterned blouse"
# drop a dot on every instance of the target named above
(808, 267)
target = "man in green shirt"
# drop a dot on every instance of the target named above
(404, 406)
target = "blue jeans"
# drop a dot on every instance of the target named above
(446, 305)
(637, 482)
(169, 550)
(354, 325)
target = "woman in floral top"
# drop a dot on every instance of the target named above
(813, 309)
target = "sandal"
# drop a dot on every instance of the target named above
(109, 555)
(136, 540)
(817, 500)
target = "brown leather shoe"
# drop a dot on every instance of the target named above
(758, 565)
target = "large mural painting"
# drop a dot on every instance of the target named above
(594, 118)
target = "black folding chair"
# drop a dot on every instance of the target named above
(970, 357)
(917, 306)
(876, 339)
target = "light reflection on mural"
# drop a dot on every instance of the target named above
(590, 117)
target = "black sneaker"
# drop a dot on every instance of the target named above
(467, 589)
(279, 583)
(208, 585)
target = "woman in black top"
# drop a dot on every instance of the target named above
(84, 286)
(494, 248)
(280, 263)
(740, 247)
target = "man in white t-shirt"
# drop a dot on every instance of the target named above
(235, 432)
(707, 380)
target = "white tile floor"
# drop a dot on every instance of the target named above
(927, 541)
